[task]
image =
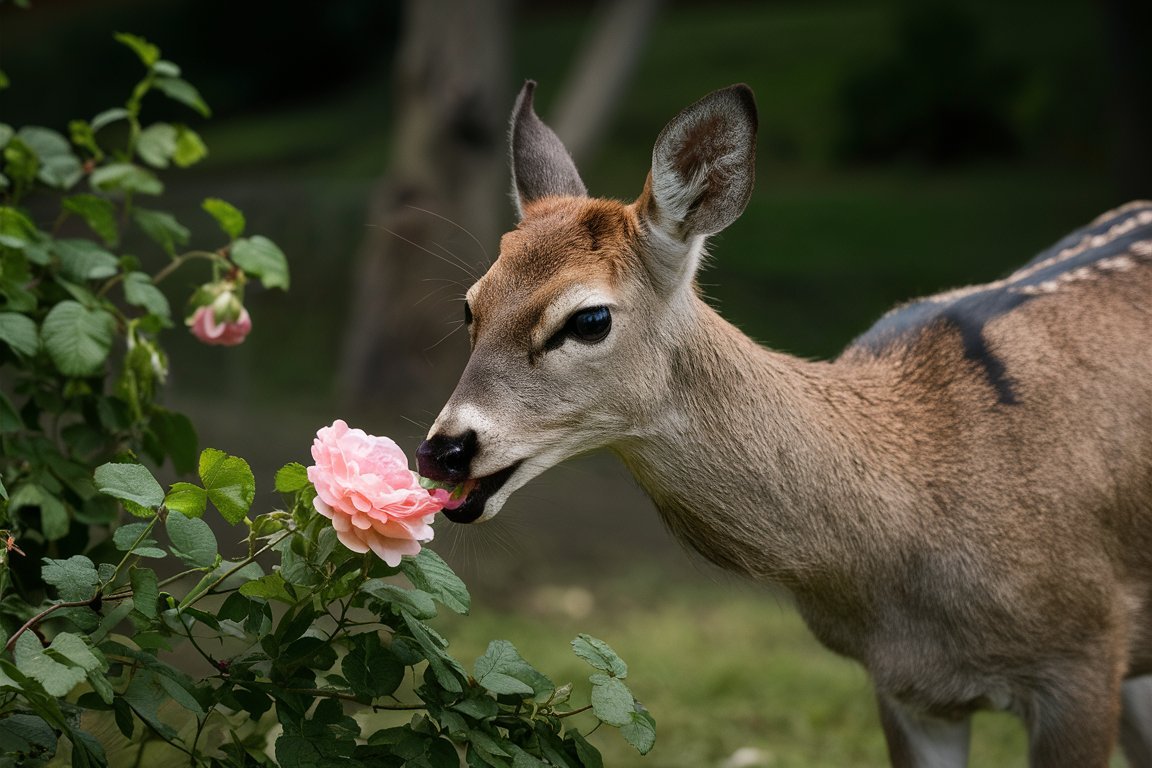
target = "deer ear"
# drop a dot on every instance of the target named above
(541, 166)
(703, 166)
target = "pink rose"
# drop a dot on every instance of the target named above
(363, 484)
(205, 327)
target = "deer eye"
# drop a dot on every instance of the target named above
(590, 325)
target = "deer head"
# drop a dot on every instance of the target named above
(575, 326)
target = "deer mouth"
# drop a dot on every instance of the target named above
(472, 509)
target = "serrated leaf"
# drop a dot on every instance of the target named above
(260, 257)
(19, 332)
(162, 228)
(129, 482)
(178, 436)
(187, 499)
(125, 177)
(270, 587)
(291, 478)
(190, 148)
(58, 167)
(641, 732)
(501, 670)
(446, 669)
(128, 536)
(57, 677)
(229, 482)
(228, 216)
(590, 757)
(428, 572)
(414, 601)
(75, 578)
(146, 695)
(28, 734)
(139, 291)
(600, 655)
(612, 702)
(192, 540)
(145, 590)
(148, 53)
(78, 339)
(183, 92)
(98, 212)
(85, 260)
(370, 668)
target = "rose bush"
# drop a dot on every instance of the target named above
(120, 614)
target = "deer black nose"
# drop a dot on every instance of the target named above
(446, 459)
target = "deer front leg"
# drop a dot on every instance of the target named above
(1136, 721)
(919, 741)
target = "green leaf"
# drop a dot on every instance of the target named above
(415, 602)
(612, 702)
(19, 332)
(78, 339)
(145, 590)
(98, 212)
(58, 677)
(85, 260)
(187, 499)
(146, 695)
(260, 257)
(190, 148)
(54, 520)
(156, 144)
(183, 92)
(166, 68)
(229, 482)
(228, 216)
(370, 668)
(131, 482)
(590, 757)
(446, 669)
(139, 291)
(600, 655)
(28, 735)
(75, 578)
(149, 54)
(16, 229)
(291, 478)
(59, 167)
(125, 177)
(192, 540)
(162, 227)
(178, 436)
(271, 587)
(641, 732)
(109, 116)
(501, 670)
(428, 572)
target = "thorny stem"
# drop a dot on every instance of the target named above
(247, 561)
(571, 712)
(55, 607)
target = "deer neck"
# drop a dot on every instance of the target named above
(769, 465)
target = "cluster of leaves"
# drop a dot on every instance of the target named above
(117, 606)
(346, 636)
(81, 316)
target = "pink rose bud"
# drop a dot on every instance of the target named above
(364, 486)
(208, 329)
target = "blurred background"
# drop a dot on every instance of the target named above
(905, 148)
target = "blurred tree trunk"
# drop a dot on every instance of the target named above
(444, 187)
(434, 220)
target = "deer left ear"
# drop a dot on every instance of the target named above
(541, 166)
(703, 166)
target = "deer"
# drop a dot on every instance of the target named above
(961, 501)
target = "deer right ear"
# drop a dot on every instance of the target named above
(541, 166)
(703, 166)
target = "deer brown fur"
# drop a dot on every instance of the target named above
(962, 501)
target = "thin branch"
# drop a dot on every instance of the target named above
(32, 622)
